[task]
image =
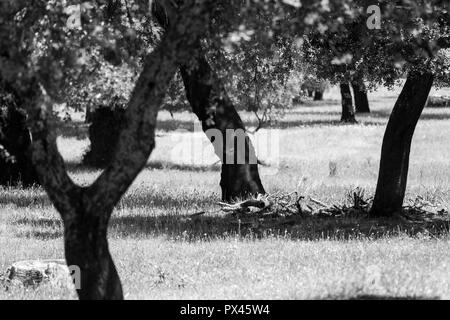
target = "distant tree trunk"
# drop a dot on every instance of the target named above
(318, 95)
(220, 121)
(15, 139)
(361, 99)
(394, 161)
(88, 114)
(310, 93)
(215, 110)
(348, 110)
(105, 125)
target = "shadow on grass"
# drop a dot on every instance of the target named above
(170, 202)
(76, 167)
(296, 227)
(153, 198)
(41, 228)
(426, 115)
(79, 130)
(313, 104)
(187, 228)
(23, 199)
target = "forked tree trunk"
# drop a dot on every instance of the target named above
(394, 161)
(215, 110)
(86, 211)
(348, 110)
(318, 95)
(361, 99)
(86, 246)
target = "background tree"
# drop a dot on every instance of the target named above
(360, 96)
(418, 44)
(408, 42)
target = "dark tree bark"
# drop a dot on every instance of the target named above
(106, 123)
(15, 139)
(86, 211)
(211, 104)
(394, 161)
(310, 93)
(318, 95)
(88, 115)
(361, 99)
(215, 110)
(86, 246)
(348, 110)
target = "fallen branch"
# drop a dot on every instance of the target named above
(197, 214)
(318, 202)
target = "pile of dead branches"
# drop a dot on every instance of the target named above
(293, 204)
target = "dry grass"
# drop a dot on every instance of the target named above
(162, 253)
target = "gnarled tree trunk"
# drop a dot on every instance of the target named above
(318, 95)
(361, 99)
(394, 161)
(86, 246)
(215, 110)
(348, 110)
(220, 121)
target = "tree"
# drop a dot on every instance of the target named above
(394, 161)
(105, 125)
(348, 109)
(360, 95)
(15, 166)
(409, 41)
(318, 95)
(85, 211)
(39, 54)
(39, 50)
(420, 48)
(334, 54)
(213, 107)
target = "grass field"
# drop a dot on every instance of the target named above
(160, 254)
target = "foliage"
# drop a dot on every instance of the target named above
(409, 40)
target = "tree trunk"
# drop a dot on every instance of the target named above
(210, 102)
(348, 110)
(86, 211)
(88, 114)
(86, 246)
(310, 93)
(318, 95)
(394, 161)
(361, 100)
(220, 121)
